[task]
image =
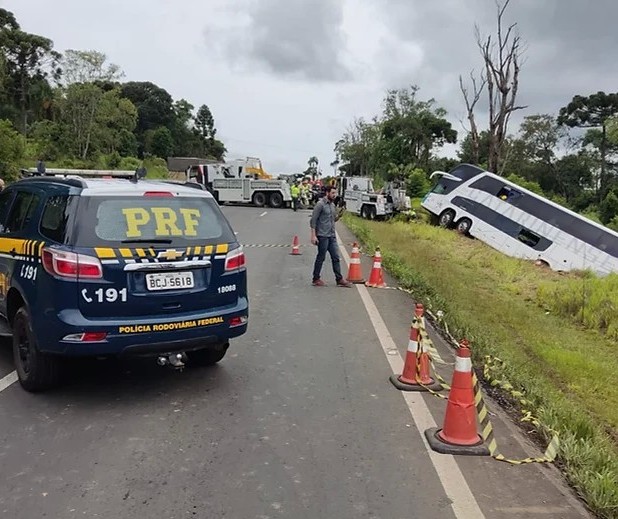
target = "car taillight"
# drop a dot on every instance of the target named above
(235, 260)
(86, 337)
(71, 265)
(238, 321)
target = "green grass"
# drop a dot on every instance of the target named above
(568, 373)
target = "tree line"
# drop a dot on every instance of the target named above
(73, 110)
(570, 157)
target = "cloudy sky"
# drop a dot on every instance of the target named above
(285, 77)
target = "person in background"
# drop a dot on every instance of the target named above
(295, 192)
(1, 185)
(322, 223)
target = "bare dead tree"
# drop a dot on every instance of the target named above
(502, 60)
(471, 99)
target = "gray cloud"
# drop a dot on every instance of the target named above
(300, 40)
(568, 47)
(274, 71)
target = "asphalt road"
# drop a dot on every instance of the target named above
(299, 420)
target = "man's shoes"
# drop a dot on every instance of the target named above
(344, 283)
(318, 283)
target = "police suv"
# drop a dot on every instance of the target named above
(112, 267)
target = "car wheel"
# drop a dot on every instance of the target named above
(464, 225)
(259, 199)
(446, 219)
(276, 200)
(36, 371)
(208, 356)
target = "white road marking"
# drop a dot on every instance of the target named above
(455, 486)
(5, 382)
(264, 213)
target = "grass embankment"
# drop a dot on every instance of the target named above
(567, 372)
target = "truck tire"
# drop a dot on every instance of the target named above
(364, 212)
(259, 199)
(36, 371)
(276, 200)
(208, 356)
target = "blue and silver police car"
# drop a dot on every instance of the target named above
(114, 267)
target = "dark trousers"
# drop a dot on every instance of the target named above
(295, 203)
(326, 243)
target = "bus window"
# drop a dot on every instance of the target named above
(508, 194)
(528, 237)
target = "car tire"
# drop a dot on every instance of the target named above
(208, 356)
(276, 200)
(36, 371)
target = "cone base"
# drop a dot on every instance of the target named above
(376, 285)
(295, 254)
(402, 386)
(439, 445)
(357, 281)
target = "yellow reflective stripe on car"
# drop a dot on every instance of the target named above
(200, 251)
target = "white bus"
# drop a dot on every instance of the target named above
(520, 223)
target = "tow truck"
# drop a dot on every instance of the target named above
(236, 183)
(358, 196)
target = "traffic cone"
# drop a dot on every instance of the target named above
(355, 272)
(376, 279)
(415, 376)
(459, 433)
(295, 247)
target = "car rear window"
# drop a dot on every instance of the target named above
(142, 219)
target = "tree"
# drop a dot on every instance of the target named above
(473, 152)
(154, 108)
(79, 108)
(29, 60)
(46, 139)
(159, 142)
(413, 128)
(312, 170)
(116, 117)
(357, 147)
(88, 66)
(11, 150)
(593, 111)
(205, 124)
(502, 61)
(608, 208)
(471, 100)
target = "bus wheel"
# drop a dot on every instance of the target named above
(259, 199)
(446, 219)
(463, 226)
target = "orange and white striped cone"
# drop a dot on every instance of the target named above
(295, 247)
(355, 273)
(415, 376)
(459, 433)
(376, 278)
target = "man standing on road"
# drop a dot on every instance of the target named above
(323, 235)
